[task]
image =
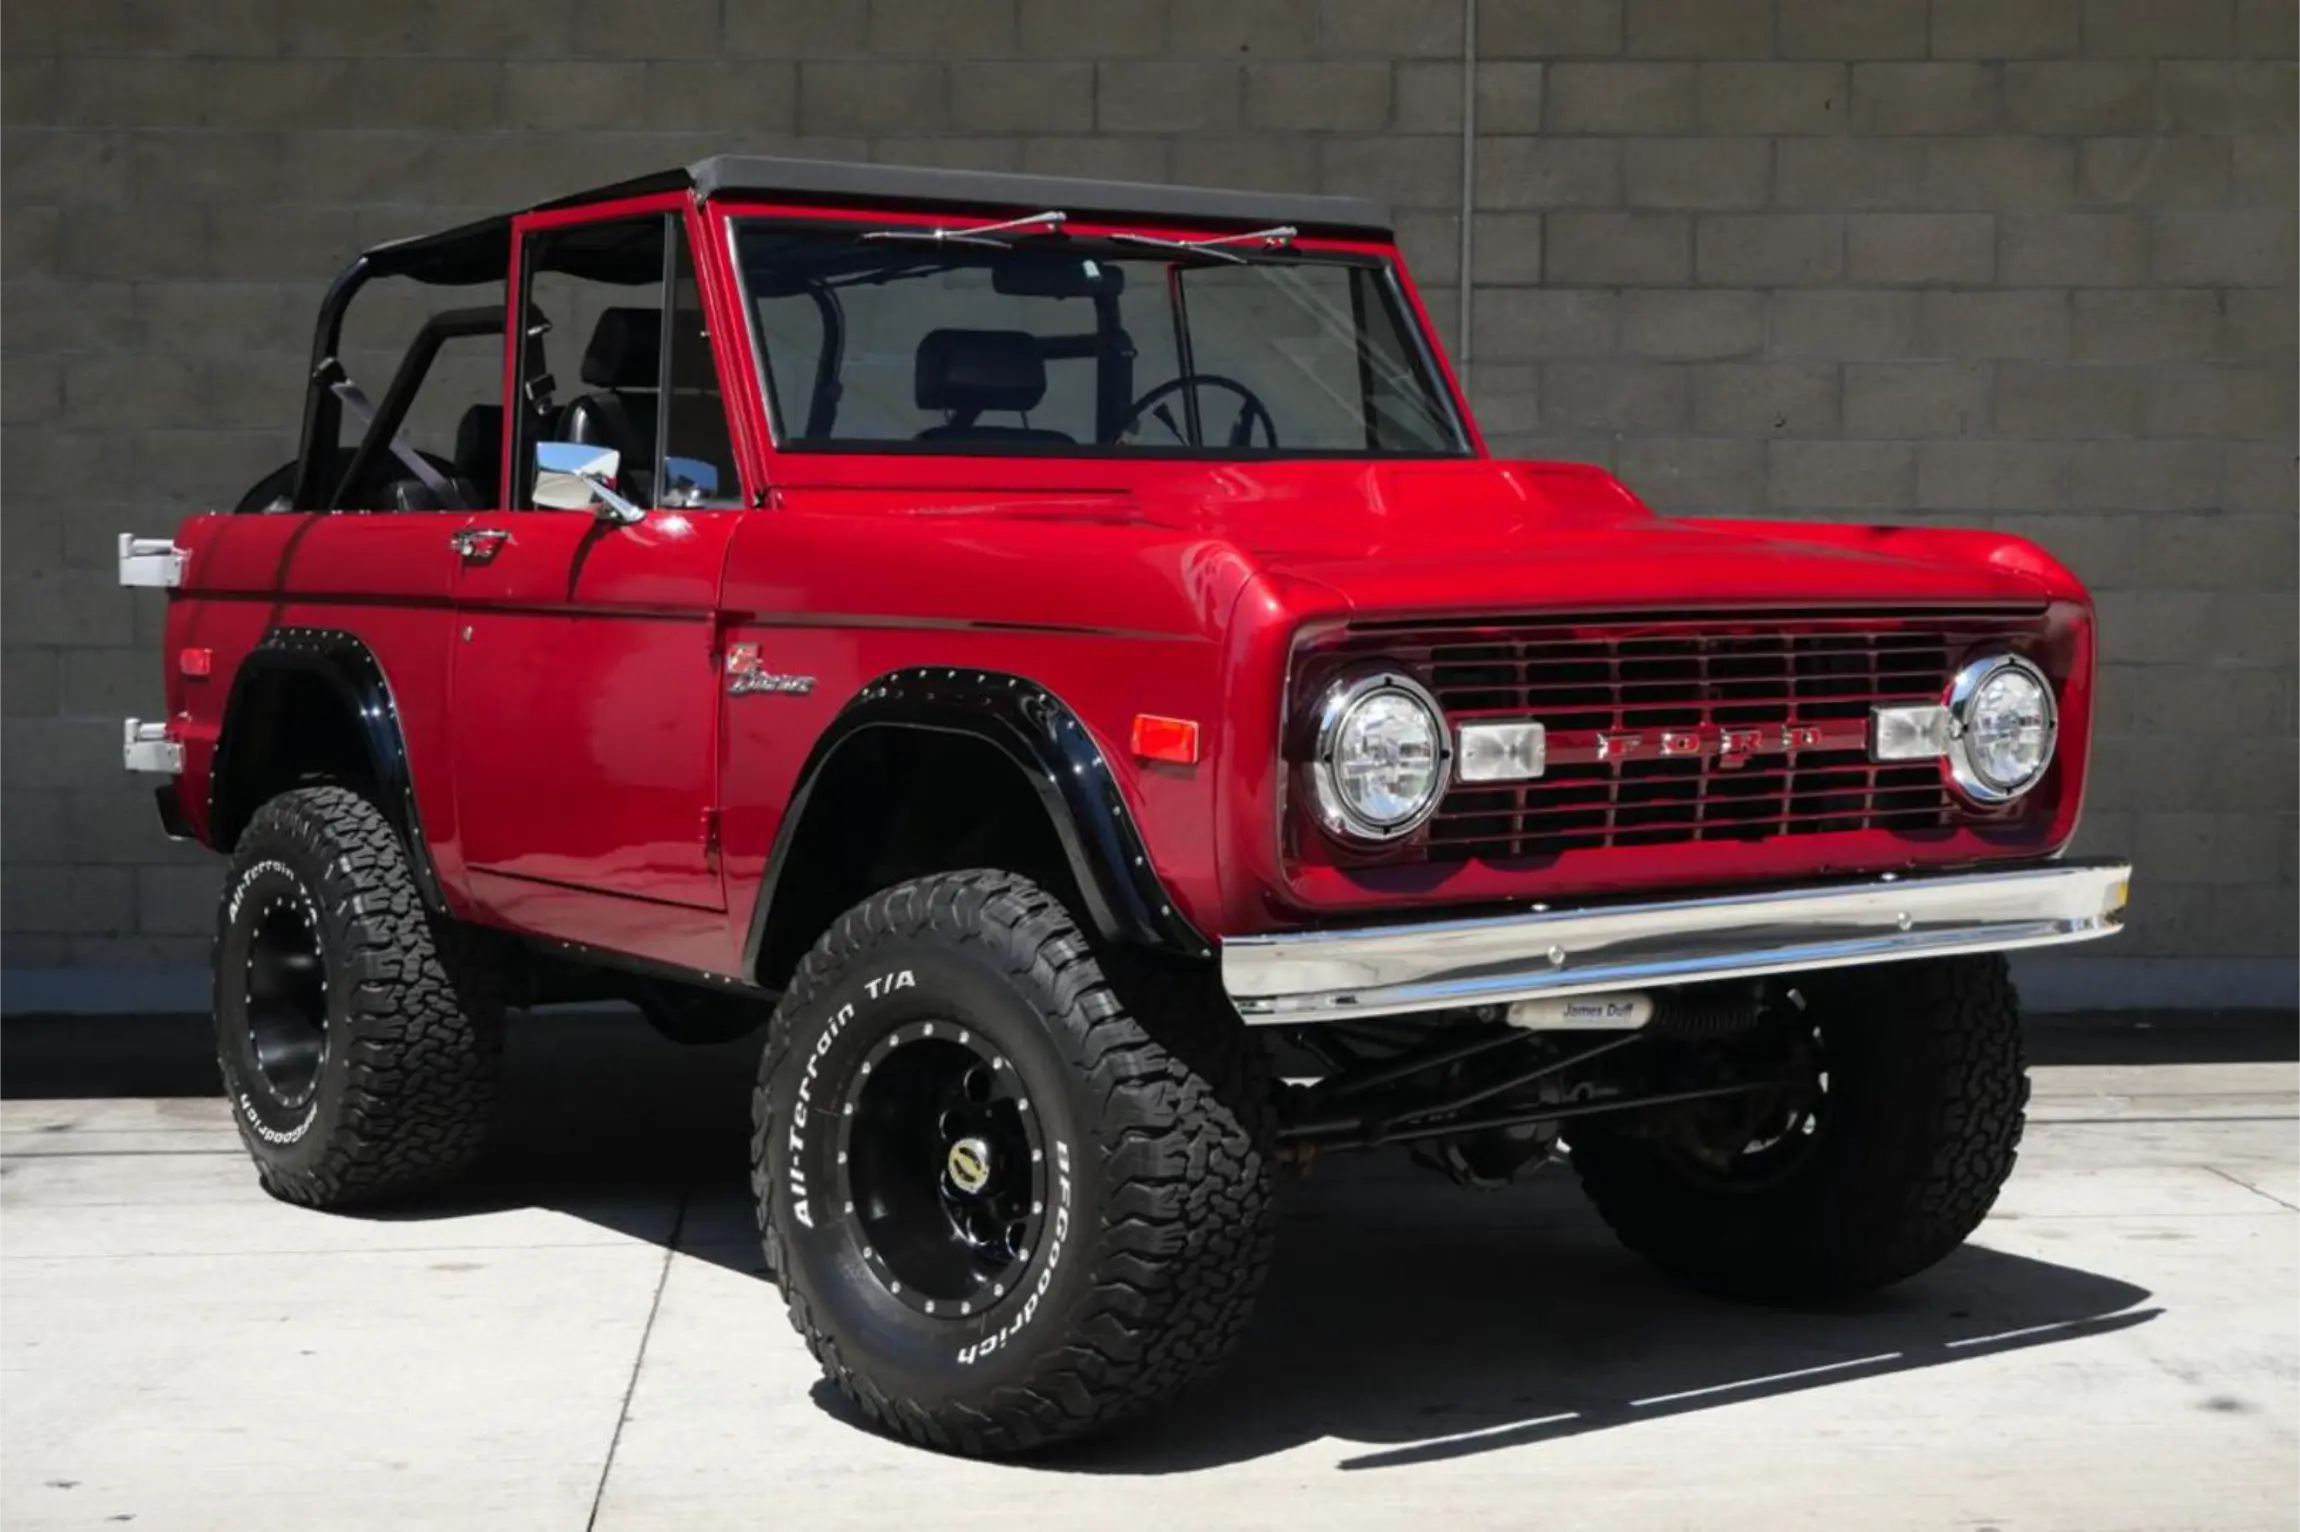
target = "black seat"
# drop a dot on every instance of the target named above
(965, 372)
(479, 452)
(623, 362)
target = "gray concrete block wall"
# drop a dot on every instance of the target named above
(2019, 263)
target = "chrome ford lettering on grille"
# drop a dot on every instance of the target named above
(1728, 747)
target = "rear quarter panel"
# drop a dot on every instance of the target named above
(387, 580)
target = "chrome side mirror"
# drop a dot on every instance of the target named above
(578, 476)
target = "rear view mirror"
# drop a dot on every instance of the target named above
(578, 476)
(1032, 274)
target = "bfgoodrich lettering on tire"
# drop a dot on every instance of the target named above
(1008, 1204)
(358, 1035)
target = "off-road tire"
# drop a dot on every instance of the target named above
(1923, 1117)
(1165, 1099)
(414, 1015)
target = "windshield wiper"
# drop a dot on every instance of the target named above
(1269, 239)
(1048, 222)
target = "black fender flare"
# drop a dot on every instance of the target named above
(345, 664)
(1045, 740)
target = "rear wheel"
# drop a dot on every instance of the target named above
(1007, 1205)
(357, 1033)
(1886, 1146)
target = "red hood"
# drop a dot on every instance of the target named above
(1489, 536)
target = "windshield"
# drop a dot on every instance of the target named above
(895, 341)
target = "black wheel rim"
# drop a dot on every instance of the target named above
(944, 1169)
(1749, 1143)
(287, 998)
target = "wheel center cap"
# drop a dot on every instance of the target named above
(968, 1165)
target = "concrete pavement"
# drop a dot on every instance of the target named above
(584, 1339)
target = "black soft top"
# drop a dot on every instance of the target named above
(479, 252)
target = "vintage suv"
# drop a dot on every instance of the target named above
(1060, 655)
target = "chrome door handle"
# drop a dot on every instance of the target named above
(478, 543)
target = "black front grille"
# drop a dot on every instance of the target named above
(1767, 718)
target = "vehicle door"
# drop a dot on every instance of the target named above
(585, 665)
(370, 551)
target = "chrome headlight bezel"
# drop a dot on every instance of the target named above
(1342, 698)
(1963, 692)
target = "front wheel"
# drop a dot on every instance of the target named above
(1882, 1153)
(1007, 1206)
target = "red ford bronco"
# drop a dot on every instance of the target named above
(1039, 648)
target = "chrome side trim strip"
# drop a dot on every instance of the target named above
(1438, 965)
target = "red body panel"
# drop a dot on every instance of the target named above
(1131, 625)
(572, 735)
(585, 694)
(388, 579)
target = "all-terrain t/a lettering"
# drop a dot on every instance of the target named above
(887, 984)
(828, 1036)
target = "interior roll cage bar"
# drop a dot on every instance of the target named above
(384, 421)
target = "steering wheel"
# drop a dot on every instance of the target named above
(1251, 412)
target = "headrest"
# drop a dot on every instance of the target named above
(479, 435)
(980, 370)
(479, 451)
(626, 349)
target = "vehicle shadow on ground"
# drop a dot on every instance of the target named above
(1404, 1314)
(1412, 1318)
(1465, 1327)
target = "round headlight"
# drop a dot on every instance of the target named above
(2001, 728)
(1381, 756)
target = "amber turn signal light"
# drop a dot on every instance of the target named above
(1166, 739)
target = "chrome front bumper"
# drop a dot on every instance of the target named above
(1438, 965)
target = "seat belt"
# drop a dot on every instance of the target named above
(363, 414)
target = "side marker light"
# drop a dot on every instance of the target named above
(1173, 740)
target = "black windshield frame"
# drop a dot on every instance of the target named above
(1436, 395)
